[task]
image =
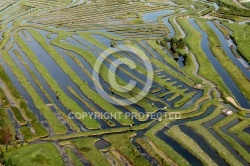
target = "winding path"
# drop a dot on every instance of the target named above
(7, 93)
(239, 4)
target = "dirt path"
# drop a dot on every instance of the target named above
(158, 151)
(78, 155)
(7, 93)
(239, 4)
(16, 125)
(63, 154)
(231, 100)
(121, 158)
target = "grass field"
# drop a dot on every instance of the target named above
(39, 154)
(241, 35)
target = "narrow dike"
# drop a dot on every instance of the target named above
(209, 126)
(46, 89)
(203, 145)
(225, 129)
(95, 51)
(175, 145)
(143, 152)
(150, 52)
(14, 79)
(61, 78)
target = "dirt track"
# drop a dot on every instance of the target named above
(237, 2)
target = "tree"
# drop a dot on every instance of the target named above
(180, 43)
(6, 136)
(174, 47)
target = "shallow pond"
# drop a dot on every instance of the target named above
(102, 144)
(152, 16)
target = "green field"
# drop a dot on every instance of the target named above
(39, 154)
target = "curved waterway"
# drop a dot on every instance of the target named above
(152, 16)
(226, 46)
(230, 41)
(218, 67)
(171, 34)
(171, 29)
